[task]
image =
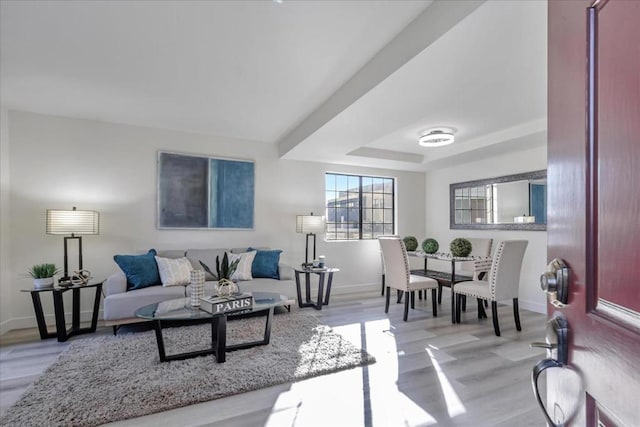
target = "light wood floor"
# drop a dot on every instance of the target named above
(428, 372)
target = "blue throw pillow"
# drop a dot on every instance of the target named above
(265, 264)
(141, 270)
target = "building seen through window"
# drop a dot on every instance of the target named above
(359, 207)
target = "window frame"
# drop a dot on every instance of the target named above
(332, 236)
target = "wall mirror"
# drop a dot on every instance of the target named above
(512, 202)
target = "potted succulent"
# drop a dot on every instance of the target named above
(430, 246)
(226, 286)
(460, 247)
(411, 243)
(43, 275)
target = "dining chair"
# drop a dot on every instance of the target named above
(479, 248)
(398, 276)
(503, 283)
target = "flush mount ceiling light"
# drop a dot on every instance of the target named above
(436, 138)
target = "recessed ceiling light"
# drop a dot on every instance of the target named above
(436, 138)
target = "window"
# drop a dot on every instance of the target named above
(359, 207)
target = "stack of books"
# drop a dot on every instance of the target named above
(222, 305)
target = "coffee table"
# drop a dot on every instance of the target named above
(180, 310)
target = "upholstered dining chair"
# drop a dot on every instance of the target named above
(503, 282)
(479, 248)
(398, 276)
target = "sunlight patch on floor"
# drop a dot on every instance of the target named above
(346, 400)
(454, 404)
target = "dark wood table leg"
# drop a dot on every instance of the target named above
(298, 288)
(318, 305)
(307, 287)
(157, 326)
(42, 324)
(96, 308)
(221, 339)
(58, 308)
(329, 281)
(75, 313)
(453, 300)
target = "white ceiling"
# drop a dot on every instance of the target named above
(352, 82)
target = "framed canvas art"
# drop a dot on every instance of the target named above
(205, 192)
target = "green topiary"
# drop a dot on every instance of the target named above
(411, 243)
(430, 246)
(460, 247)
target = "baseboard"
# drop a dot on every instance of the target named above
(50, 319)
(357, 288)
(532, 306)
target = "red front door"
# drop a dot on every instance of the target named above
(594, 207)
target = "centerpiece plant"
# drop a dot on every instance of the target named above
(411, 243)
(225, 270)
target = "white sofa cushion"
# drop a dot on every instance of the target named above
(174, 272)
(123, 305)
(243, 270)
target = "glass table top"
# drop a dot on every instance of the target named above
(181, 309)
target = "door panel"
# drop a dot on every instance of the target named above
(617, 127)
(593, 202)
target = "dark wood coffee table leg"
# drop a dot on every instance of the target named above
(219, 345)
(157, 326)
(266, 337)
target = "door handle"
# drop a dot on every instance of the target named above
(555, 282)
(557, 344)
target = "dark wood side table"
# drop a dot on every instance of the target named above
(322, 298)
(62, 333)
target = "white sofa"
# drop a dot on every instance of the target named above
(120, 304)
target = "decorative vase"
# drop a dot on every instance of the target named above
(226, 287)
(45, 282)
(197, 287)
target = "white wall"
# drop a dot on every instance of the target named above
(57, 163)
(437, 215)
(5, 264)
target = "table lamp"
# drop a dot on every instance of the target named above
(72, 222)
(309, 225)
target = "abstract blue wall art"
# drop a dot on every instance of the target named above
(205, 192)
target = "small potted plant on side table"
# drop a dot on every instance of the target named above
(43, 275)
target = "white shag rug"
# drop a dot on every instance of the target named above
(111, 378)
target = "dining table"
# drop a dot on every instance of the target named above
(481, 265)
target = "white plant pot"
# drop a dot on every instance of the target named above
(46, 282)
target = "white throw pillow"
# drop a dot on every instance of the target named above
(174, 272)
(243, 271)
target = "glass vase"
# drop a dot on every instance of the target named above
(197, 287)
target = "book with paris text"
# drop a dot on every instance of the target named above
(221, 305)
